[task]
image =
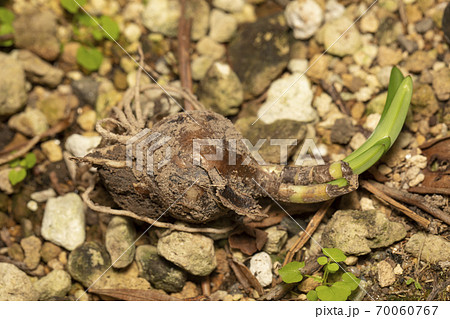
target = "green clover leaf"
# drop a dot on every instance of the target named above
(290, 273)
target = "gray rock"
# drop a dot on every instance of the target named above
(222, 26)
(54, 285)
(49, 251)
(349, 43)
(13, 94)
(31, 247)
(293, 227)
(88, 262)
(80, 145)
(276, 238)
(221, 90)
(259, 53)
(44, 195)
(30, 122)
(431, 248)
(198, 10)
(192, 252)
(63, 222)
(261, 268)
(424, 25)
(36, 31)
(356, 232)
(386, 276)
(119, 241)
(37, 70)
(304, 17)
(295, 104)
(388, 32)
(158, 271)
(407, 44)
(15, 284)
(441, 84)
(86, 90)
(342, 131)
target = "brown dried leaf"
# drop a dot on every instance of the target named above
(134, 294)
(248, 239)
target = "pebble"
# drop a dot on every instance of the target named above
(192, 252)
(190, 290)
(15, 284)
(276, 238)
(432, 248)
(87, 262)
(54, 285)
(351, 260)
(333, 10)
(295, 104)
(342, 131)
(32, 205)
(247, 15)
(261, 268)
(372, 121)
(398, 270)
(298, 65)
(80, 145)
(221, 90)
(36, 31)
(308, 284)
(388, 56)
(200, 65)
(419, 61)
(37, 70)
(424, 25)
(366, 203)
(349, 43)
(52, 150)
(199, 11)
(441, 84)
(86, 89)
(159, 272)
(222, 26)
(259, 53)
(87, 120)
(43, 196)
(386, 276)
(229, 5)
(304, 17)
(30, 122)
(208, 47)
(13, 93)
(119, 241)
(407, 44)
(369, 23)
(132, 32)
(15, 251)
(384, 169)
(31, 247)
(161, 16)
(418, 160)
(357, 140)
(357, 232)
(49, 251)
(63, 222)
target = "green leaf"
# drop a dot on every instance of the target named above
(86, 20)
(291, 272)
(30, 160)
(410, 281)
(6, 29)
(14, 163)
(6, 16)
(351, 279)
(110, 27)
(312, 295)
(97, 34)
(395, 80)
(15, 176)
(72, 6)
(335, 254)
(333, 267)
(322, 260)
(417, 285)
(89, 58)
(337, 292)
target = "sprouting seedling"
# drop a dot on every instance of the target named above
(328, 291)
(216, 186)
(416, 283)
(20, 167)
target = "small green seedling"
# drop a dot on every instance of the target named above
(20, 167)
(87, 30)
(6, 27)
(328, 291)
(416, 283)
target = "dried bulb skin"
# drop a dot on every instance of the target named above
(218, 185)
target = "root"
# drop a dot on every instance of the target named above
(153, 222)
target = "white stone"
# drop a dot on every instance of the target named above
(398, 270)
(357, 140)
(304, 17)
(229, 5)
(132, 32)
(63, 222)
(209, 47)
(261, 268)
(337, 40)
(366, 204)
(298, 65)
(295, 104)
(80, 145)
(418, 160)
(162, 16)
(222, 26)
(372, 121)
(333, 10)
(200, 65)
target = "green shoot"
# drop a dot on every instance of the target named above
(6, 27)
(389, 127)
(416, 283)
(338, 290)
(19, 168)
